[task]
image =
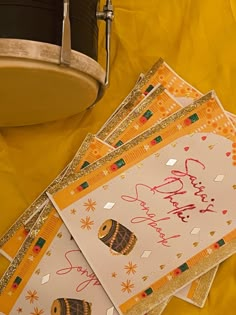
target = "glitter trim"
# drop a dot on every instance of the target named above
(42, 216)
(149, 74)
(203, 288)
(38, 204)
(29, 240)
(126, 106)
(120, 150)
(169, 289)
(158, 310)
(134, 114)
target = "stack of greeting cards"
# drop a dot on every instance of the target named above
(144, 211)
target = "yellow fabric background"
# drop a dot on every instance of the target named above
(198, 39)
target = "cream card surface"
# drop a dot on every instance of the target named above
(162, 184)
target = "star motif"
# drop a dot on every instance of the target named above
(90, 205)
(37, 311)
(114, 275)
(73, 211)
(19, 310)
(130, 268)
(32, 296)
(86, 223)
(127, 286)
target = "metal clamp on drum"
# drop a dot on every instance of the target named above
(48, 59)
(107, 15)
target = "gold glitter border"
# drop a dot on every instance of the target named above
(126, 105)
(38, 203)
(151, 72)
(127, 99)
(128, 102)
(158, 310)
(203, 266)
(25, 246)
(132, 143)
(37, 224)
(203, 288)
(134, 114)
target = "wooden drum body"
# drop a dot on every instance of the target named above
(117, 237)
(35, 86)
(64, 306)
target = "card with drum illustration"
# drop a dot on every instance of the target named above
(49, 258)
(157, 105)
(159, 221)
(152, 110)
(53, 276)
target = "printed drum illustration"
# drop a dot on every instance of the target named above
(117, 237)
(64, 306)
(48, 59)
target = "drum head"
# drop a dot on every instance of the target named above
(36, 89)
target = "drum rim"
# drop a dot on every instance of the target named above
(49, 53)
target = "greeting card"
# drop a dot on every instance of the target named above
(160, 221)
(155, 108)
(49, 275)
(53, 276)
(152, 110)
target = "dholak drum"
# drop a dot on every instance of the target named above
(117, 237)
(70, 307)
(48, 59)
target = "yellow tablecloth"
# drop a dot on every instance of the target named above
(198, 39)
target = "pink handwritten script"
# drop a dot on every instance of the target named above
(173, 191)
(90, 278)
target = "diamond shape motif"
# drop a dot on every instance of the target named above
(45, 279)
(171, 162)
(109, 205)
(72, 192)
(195, 231)
(219, 178)
(110, 311)
(146, 254)
(209, 250)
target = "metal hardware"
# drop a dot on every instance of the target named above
(65, 57)
(107, 15)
